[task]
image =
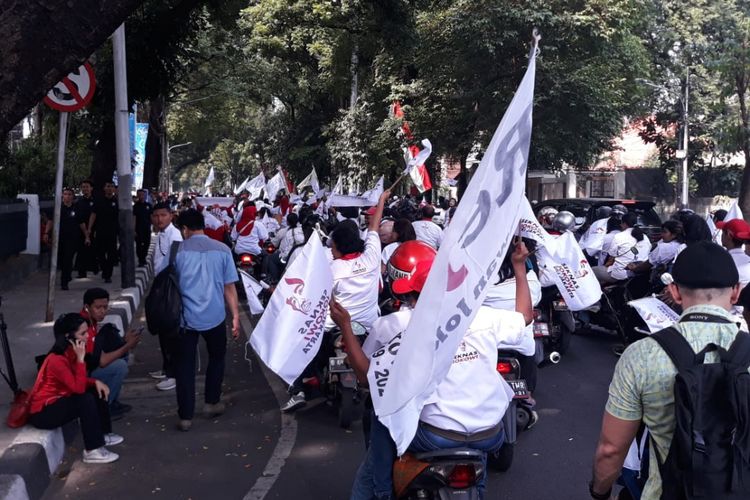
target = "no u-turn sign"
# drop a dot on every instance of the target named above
(74, 92)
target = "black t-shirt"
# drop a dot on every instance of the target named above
(108, 339)
(106, 211)
(69, 224)
(142, 213)
(84, 206)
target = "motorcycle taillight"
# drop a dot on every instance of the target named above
(504, 368)
(270, 249)
(462, 476)
(246, 260)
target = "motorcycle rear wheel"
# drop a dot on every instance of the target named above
(502, 459)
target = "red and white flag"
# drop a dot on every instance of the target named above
(475, 243)
(415, 160)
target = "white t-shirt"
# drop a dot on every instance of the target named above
(355, 283)
(428, 232)
(503, 296)
(271, 224)
(163, 245)
(251, 243)
(664, 252)
(473, 397)
(742, 261)
(385, 256)
(385, 328)
(291, 238)
(621, 250)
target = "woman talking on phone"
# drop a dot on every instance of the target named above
(63, 392)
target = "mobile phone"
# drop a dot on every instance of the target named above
(140, 330)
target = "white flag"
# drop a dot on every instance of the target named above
(255, 186)
(311, 180)
(289, 333)
(734, 212)
(566, 265)
(242, 186)
(655, 313)
(275, 185)
(529, 227)
(715, 232)
(252, 289)
(338, 187)
(222, 201)
(593, 239)
(367, 199)
(210, 178)
(473, 247)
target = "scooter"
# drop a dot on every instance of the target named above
(439, 475)
(341, 387)
(554, 325)
(613, 313)
(517, 416)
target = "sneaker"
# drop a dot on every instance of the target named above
(158, 375)
(112, 439)
(117, 409)
(214, 410)
(167, 384)
(295, 402)
(184, 425)
(99, 456)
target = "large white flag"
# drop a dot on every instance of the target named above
(715, 232)
(255, 186)
(734, 212)
(655, 313)
(242, 186)
(475, 243)
(568, 268)
(367, 199)
(311, 180)
(593, 239)
(276, 184)
(210, 178)
(289, 333)
(252, 288)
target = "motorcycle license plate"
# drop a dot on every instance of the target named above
(519, 388)
(541, 329)
(560, 305)
(338, 364)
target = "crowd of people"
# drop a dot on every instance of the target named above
(384, 251)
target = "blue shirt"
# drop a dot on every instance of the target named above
(204, 266)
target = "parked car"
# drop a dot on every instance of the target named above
(584, 210)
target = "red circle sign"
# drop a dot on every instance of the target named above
(74, 92)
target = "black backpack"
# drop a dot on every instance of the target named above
(164, 301)
(710, 452)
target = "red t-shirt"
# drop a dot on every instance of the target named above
(61, 376)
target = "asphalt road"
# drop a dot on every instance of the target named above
(225, 457)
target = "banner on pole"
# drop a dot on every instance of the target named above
(655, 313)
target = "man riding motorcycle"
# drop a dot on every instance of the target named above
(467, 407)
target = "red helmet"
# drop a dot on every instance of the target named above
(405, 258)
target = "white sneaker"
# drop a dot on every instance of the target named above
(167, 384)
(99, 456)
(296, 401)
(158, 375)
(112, 439)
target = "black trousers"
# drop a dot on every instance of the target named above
(142, 242)
(91, 410)
(69, 245)
(187, 345)
(86, 259)
(168, 345)
(106, 247)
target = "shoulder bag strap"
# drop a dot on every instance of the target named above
(173, 252)
(676, 346)
(739, 351)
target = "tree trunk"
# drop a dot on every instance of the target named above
(156, 129)
(744, 196)
(105, 156)
(463, 176)
(43, 40)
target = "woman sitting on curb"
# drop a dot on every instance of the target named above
(64, 393)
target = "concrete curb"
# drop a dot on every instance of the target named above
(34, 455)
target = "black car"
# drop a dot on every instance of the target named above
(584, 210)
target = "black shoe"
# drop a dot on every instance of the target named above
(108, 280)
(64, 286)
(117, 409)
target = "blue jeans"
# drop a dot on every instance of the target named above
(425, 440)
(113, 375)
(374, 479)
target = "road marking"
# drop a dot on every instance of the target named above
(287, 436)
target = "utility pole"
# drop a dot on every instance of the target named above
(685, 179)
(124, 172)
(63, 135)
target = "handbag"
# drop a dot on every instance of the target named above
(20, 408)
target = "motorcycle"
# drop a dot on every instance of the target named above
(517, 416)
(440, 475)
(341, 387)
(252, 265)
(613, 313)
(554, 325)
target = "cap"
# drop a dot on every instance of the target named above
(705, 265)
(415, 281)
(737, 228)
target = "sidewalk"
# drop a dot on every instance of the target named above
(26, 452)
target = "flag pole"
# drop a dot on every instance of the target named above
(397, 181)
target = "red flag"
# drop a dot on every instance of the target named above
(407, 131)
(397, 111)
